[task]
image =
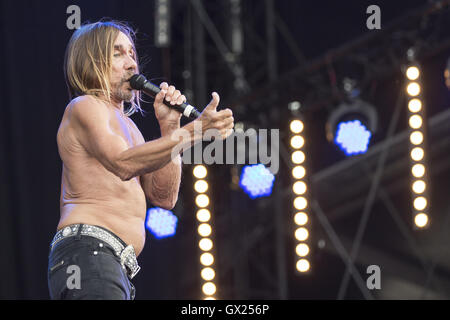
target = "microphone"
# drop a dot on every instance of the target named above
(139, 82)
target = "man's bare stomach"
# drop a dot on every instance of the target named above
(126, 220)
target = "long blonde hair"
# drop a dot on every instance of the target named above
(88, 60)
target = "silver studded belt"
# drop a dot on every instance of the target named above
(125, 253)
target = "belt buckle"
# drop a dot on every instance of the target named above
(128, 259)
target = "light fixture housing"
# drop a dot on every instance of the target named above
(351, 125)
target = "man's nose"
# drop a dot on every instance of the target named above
(131, 64)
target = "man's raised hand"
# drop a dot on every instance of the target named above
(170, 94)
(221, 120)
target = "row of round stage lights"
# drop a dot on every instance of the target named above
(416, 138)
(299, 188)
(204, 230)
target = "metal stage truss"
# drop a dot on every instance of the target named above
(254, 258)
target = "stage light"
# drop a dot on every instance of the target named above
(413, 89)
(298, 172)
(296, 126)
(204, 229)
(415, 105)
(412, 73)
(297, 142)
(203, 215)
(419, 186)
(256, 180)
(162, 24)
(205, 244)
(302, 265)
(415, 121)
(418, 170)
(299, 187)
(202, 200)
(200, 171)
(416, 137)
(298, 157)
(421, 220)
(201, 186)
(294, 106)
(353, 137)
(417, 154)
(420, 203)
(208, 274)
(300, 203)
(351, 126)
(301, 234)
(206, 259)
(209, 288)
(161, 223)
(302, 249)
(301, 218)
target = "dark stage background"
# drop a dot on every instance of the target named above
(33, 96)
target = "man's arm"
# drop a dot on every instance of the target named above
(90, 118)
(161, 187)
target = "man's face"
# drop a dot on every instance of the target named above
(123, 67)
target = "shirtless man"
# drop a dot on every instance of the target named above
(108, 168)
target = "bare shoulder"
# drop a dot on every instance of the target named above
(88, 110)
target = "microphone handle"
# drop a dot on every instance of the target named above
(186, 109)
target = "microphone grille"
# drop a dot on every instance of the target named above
(137, 81)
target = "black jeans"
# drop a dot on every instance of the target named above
(85, 268)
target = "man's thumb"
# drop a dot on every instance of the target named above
(214, 101)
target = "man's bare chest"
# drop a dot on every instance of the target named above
(122, 127)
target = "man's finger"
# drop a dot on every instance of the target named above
(170, 93)
(176, 94)
(226, 123)
(159, 98)
(223, 114)
(164, 85)
(181, 99)
(214, 102)
(225, 133)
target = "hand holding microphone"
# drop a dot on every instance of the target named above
(210, 118)
(139, 82)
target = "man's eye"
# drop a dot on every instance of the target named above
(116, 54)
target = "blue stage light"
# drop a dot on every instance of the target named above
(352, 137)
(256, 180)
(161, 223)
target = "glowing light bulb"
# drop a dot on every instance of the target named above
(296, 126)
(200, 171)
(412, 73)
(302, 265)
(421, 220)
(413, 89)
